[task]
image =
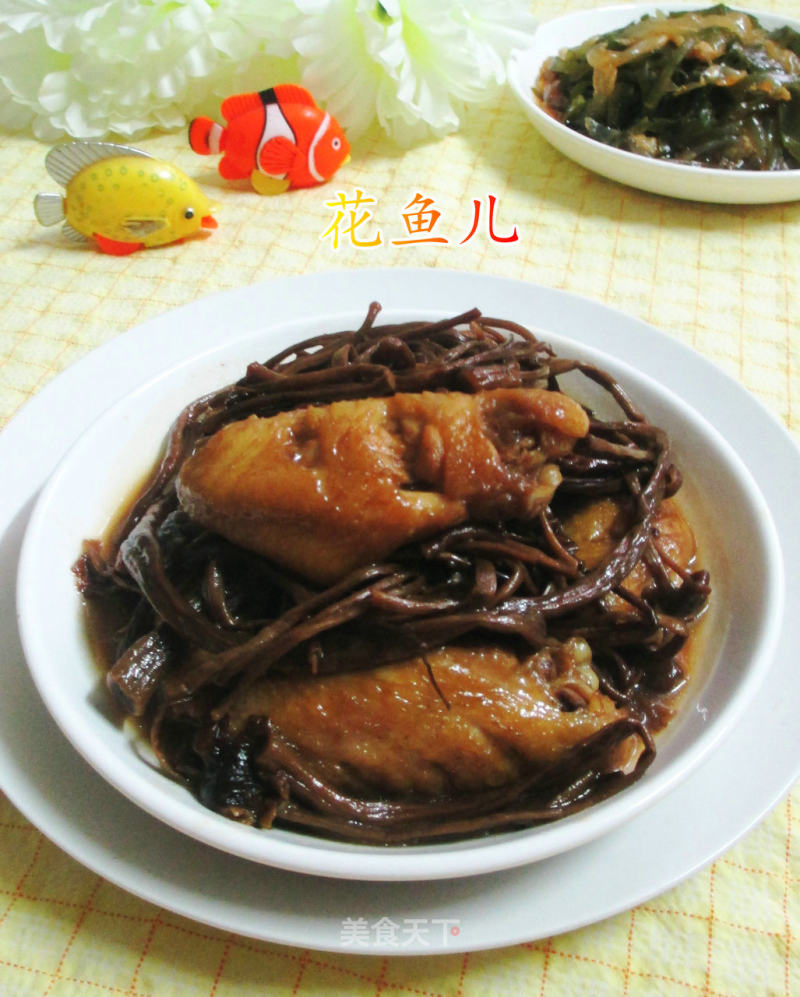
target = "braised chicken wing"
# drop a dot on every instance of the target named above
(324, 489)
(601, 523)
(489, 718)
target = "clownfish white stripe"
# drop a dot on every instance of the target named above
(312, 166)
(275, 126)
(214, 136)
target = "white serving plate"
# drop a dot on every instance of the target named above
(653, 175)
(77, 809)
(118, 450)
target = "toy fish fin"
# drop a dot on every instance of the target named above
(65, 160)
(291, 93)
(143, 227)
(277, 156)
(116, 248)
(73, 234)
(48, 208)
(263, 184)
(238, 104)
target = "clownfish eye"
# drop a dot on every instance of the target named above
(336, 143)
(189, 213)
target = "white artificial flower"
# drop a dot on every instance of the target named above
(414, 64)
(332, 45)
(87, 69)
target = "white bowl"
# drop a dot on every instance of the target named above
(692, 183)
(739, 546)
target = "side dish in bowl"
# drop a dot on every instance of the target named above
(415, 589)
(708, 87)
(695, 103)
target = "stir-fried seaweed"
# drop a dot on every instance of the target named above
(202, 617)
(709, 87)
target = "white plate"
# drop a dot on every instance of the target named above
(656, 176)
(61, 795)
(120, 448)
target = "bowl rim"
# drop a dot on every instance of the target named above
(298, 853)
(657, 176)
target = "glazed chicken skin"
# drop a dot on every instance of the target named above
(390, 732)
(325, 489)
(601, 523)
(490, 717)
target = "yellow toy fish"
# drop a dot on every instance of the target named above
(122, 198)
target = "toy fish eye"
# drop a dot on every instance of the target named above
(189, 213)
(337, 143)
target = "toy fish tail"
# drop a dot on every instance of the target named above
(206, 137)
(49, 208)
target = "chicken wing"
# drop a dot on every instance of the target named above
(324, 489)
(489, 718)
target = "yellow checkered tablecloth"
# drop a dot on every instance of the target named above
(725, 280)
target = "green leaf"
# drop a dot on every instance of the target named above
(789, 125)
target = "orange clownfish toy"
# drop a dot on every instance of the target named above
(278, 138)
